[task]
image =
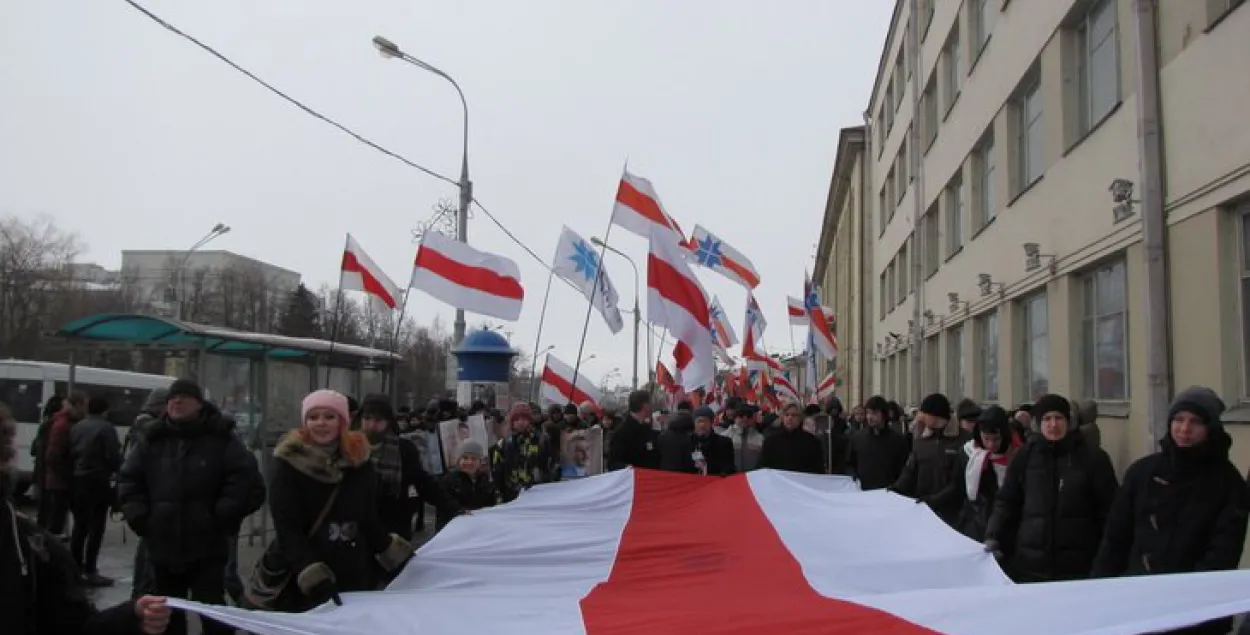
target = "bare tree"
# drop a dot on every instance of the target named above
(35, 258)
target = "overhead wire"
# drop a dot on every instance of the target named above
(344, 129)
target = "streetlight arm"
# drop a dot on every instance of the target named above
(464, 104)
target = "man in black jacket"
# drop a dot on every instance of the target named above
(186, 488)
(676, 445)
(634, 443)
(713, 453)
(401, 479)
(876, 453)
(96, 454)
(933, 474)
(792, 448)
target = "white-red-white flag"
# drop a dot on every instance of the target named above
(784, 389)
(717, 255)
(820, 332)
(468, 279)
(557, 384)
(827, 387)
(796, 311)
(677, 302)
(358, 272)
(638, 210)
(722, 330)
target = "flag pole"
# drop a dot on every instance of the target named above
(542, 317)
(399, 324)
(338, 312)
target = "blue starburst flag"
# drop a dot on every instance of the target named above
(577, 261)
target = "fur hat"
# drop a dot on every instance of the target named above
(328, 399)
(1052, 403)
(1202, 402)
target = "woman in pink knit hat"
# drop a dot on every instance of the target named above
(323, 499)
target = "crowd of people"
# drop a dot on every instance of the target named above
(348, 488)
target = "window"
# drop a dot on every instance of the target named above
(1098, 64)
(125, 404)
(955, 358)
(987, 343)
(900, 87)
(881, 130)
(984, 166)
(1105, 333)
(931, 245)
(1034, 315)
(889, 107)
(983, 22)
(889, 286)
(901, 184)
(952, 77)
(929, 113)
(902, 274)
(883, 206)
(1029, 140)
(926, 16)
(881, 297)
(904, 374)
(1243, 216)
(955, 214)
(24, 397)
(932, 365)
(889, 187)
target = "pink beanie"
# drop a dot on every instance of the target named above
(328, 399)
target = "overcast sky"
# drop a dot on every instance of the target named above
(137, 139)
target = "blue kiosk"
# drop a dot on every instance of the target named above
(484, 365)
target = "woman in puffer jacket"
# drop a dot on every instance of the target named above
(324, 466)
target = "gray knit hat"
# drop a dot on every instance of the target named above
(470, 447)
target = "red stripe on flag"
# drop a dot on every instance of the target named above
(747, 275)
(645, 206)
(795, 311)
(576, 395)
(693, 548)
(675, 287)
(372, 286)
(479, 278)
(682, 355)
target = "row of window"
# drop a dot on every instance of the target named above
(1091, 43)
(1104, 345)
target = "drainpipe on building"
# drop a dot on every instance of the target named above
(1154, 222)
(866, 239)
(917, 172)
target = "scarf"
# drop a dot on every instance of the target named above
(389, 466)
(977, 459)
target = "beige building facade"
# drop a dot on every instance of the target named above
(1001, 264)
(843, 263)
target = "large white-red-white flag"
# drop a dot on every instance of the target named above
(638, 210)
(645, 551)
(677, 302)
(358, 272)
(467, 278)
(557, 384)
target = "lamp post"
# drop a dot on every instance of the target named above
(637, 313)
(217, 230)
(388, 49)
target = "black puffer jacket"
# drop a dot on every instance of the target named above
(794, 450)
(351, 534)
(934, 472)
(1051, 508)
(676, 446)
(187, 486)
(875, 456)
(718, 453)
(1180, 510)
(633, 444)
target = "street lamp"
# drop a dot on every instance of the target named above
(390, 50)
(637, 313)
(217, 230)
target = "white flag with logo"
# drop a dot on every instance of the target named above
(578, 262)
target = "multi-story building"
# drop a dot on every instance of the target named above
(172, 280)
(843, 269)
(1004, 266)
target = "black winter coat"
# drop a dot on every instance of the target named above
(351, 534)
(676, 446)
(395, 507)
(933, 473)
(1051, 509)
(469, 492)
(523, 461)
(794, 450)
(633, 444)
(1180, 510)
(187, 486)
(718, 453)
(49, 599)
(876, 456)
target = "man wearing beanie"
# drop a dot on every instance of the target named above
(185, 489)
(876, 453)
(1184, 508)
(397, 464)
(933, 474)
(1053, 501)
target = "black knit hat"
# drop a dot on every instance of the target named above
(1052, 403)
(185, 388)
(570, 409)
(811, 410)
(968, 410)
(937, 405)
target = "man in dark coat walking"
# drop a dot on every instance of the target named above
(933, 474)
(1182, 509)
(876, 453)
(634, 443)
(185, 489)
(792, 448)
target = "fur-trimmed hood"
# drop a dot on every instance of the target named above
(298, 451)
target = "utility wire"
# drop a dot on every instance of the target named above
(342, 128)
